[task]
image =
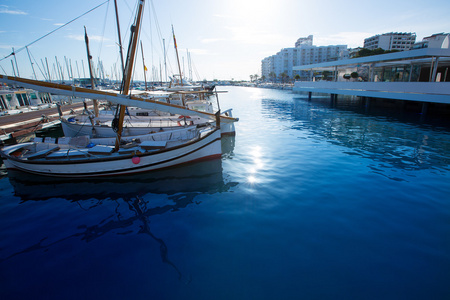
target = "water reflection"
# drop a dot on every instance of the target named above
(255, 154)
(408, 146)
(202, 177)
(228, 143)
(132, 197)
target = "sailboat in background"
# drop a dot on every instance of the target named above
(86, 157)
(144, 121)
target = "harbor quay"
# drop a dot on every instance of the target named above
(417, 75)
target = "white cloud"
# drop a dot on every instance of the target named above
(5, 10)
(58, 24)
(80, 37)
(351, 39)
(200, 52)
(213, 40)
(223, 16)
(260, 37)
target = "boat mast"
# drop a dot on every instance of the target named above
(145, 68)
(48, 70)
(31, 62)
(15, 59)
(134, 36)
(165, 64)
(86, 39)
(120, 39)
(178, 59)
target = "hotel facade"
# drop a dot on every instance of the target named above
(304, 53)
(400, 41)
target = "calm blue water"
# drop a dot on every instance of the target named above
(309, 202)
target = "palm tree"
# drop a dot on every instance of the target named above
(272, 76)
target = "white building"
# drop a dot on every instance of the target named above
(416, 75)
(437, 40)
(303, 54)
(305, 41)
(391, 41)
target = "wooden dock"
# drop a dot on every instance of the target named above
(14, 126)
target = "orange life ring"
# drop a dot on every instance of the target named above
(180, 118)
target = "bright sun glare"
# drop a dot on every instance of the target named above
(255, 154)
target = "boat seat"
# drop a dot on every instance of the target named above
(101, 150)
(129, 150)
(64, 140)
(50, 140)
(37, 139)
(71, 153)
(43, 153)
(79, 141)
(153, 145)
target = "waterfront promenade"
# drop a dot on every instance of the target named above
(416, 75)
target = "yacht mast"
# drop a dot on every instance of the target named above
(91, 73)
(178, 59)
(134, 36)
(145, 68)
(120, 38)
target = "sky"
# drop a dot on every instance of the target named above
(222, 40)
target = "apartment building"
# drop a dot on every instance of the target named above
(391, 41)
(303, 54)
(437, 40)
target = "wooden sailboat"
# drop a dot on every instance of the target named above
(85, 157)
(139, 121)
(94, 125)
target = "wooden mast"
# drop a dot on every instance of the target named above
(145, 68)
(120, 38)
(134, 36)
(178, 59)
(91, 73)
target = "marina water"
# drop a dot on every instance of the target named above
(310, 201)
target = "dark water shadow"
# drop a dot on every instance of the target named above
(128, 194)
(202, 177)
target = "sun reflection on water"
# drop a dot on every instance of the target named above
(256, 154)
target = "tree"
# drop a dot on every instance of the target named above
(251, 78)
(272, 76)
(367, 52)
(325, 74)
(255, 77)
(284, 76)
(354, 75)
(297, 77)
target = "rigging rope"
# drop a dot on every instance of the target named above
(24, 47)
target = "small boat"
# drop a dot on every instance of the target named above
(17, 101)
(83, 157)
(101, 126)
(139, 121)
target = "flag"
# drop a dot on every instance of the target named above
(145, 68)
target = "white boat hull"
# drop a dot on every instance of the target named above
(135, 126)
(208, 147)
(86, 129)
